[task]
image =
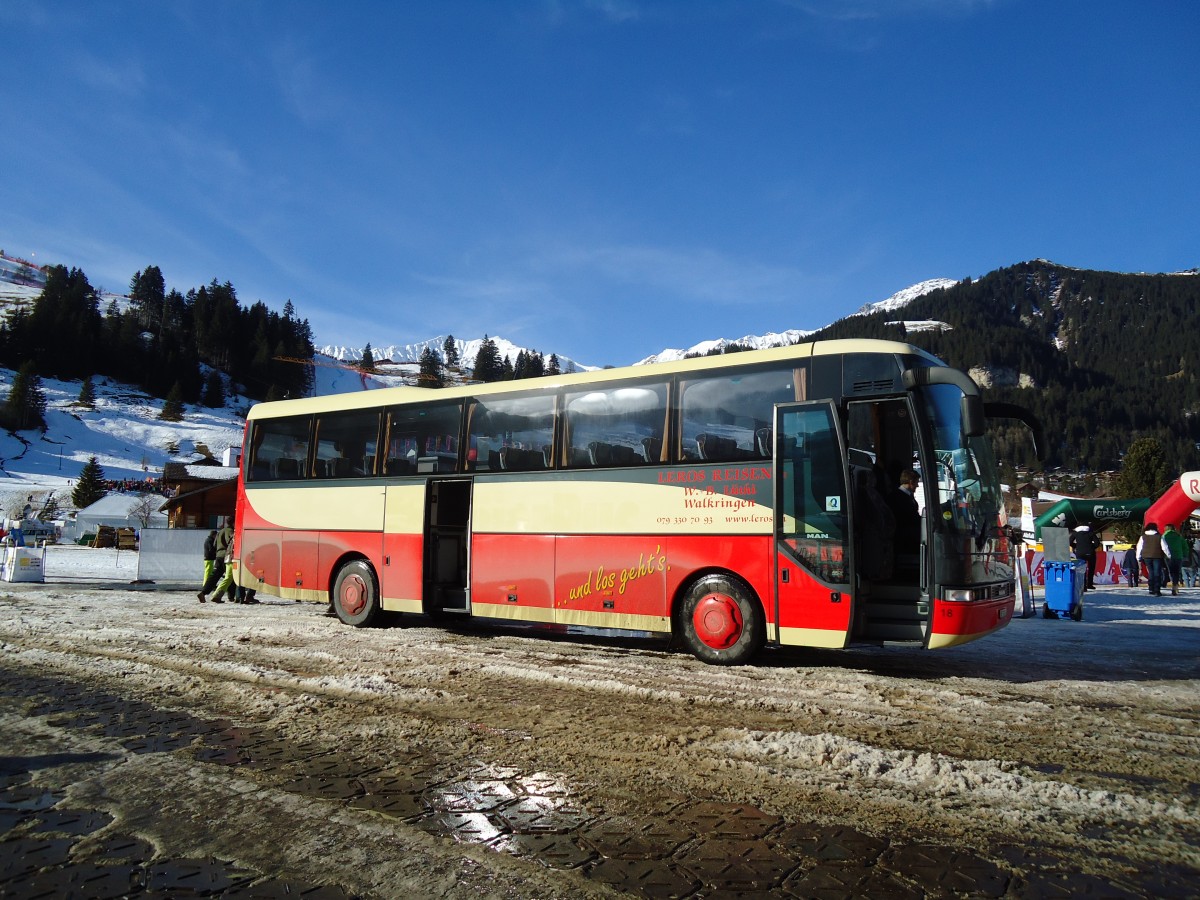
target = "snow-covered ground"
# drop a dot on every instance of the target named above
(1076, 743)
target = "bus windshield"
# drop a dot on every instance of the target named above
(968, 487)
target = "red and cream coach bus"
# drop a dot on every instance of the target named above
(728, 501)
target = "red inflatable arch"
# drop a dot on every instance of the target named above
(1174, 506)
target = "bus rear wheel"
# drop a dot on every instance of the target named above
(721, 622)
(356, 594)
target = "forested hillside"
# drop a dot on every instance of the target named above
(1102, 358)
(161, 340)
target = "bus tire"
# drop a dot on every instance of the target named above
(721, 622)
(356, 594)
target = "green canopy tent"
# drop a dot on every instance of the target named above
(1073, 513)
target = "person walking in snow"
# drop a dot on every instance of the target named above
(1177, 551)
(1191, 566)
(221, 545)
(1150, 551)
(1131, 568)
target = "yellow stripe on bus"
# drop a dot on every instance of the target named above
(611, 507)
(813, 637)
(396, 509)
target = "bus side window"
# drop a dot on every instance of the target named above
(616, 427)
(279, 448)
(727, 418)
(341, 443)
(423, 439)
(510, 434)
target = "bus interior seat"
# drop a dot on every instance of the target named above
(600, 453)
(338, 467)
(625, 456)
(717, 448)
(764, 439)
(519, 459)
(431, 465)
(398, 465)
(285, 467)
(652, 449)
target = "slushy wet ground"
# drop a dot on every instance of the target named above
(155, 748)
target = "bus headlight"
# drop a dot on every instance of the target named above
(978, 593)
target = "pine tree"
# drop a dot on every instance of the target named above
(450, 354)
(552, 367)
(367, 363)
(487, 362)
(147, 291)
(90, 486)
(214, 390)
(1144, 473)
(26, 404)
(87, 394)
(172, 410)
(431, 370)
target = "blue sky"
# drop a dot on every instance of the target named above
(597, 179)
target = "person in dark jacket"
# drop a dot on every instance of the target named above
(1131, 567)
(1177, 550)
(1150, 551)
(220, 547)
(1084, 544)
(210, 554)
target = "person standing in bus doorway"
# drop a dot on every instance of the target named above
(1084, 544)
(1177, 551)
(903, 501)
(1150, 551)
(221, 547)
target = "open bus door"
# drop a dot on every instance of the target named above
(814, 583)
(447, 546)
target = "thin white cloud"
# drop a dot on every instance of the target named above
(123, 76)
(306, 91)
(701, 274)
(615, 10)
(861, 10)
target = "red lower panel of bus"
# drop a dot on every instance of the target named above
(513, 573)
(620, 581)
(806, 603)
(968, 620)
(403, 566)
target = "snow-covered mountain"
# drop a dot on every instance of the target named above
(901, 299)
(896, 302)
(467, 351)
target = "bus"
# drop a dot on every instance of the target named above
(727, 502)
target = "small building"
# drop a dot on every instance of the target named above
(205, 492)
(120, 510)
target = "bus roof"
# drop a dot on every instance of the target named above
(411, 394)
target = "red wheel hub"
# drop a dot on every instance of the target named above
(718, 621)
(353, 595)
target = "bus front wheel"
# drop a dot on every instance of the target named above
(356, 594)
(721, 622)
